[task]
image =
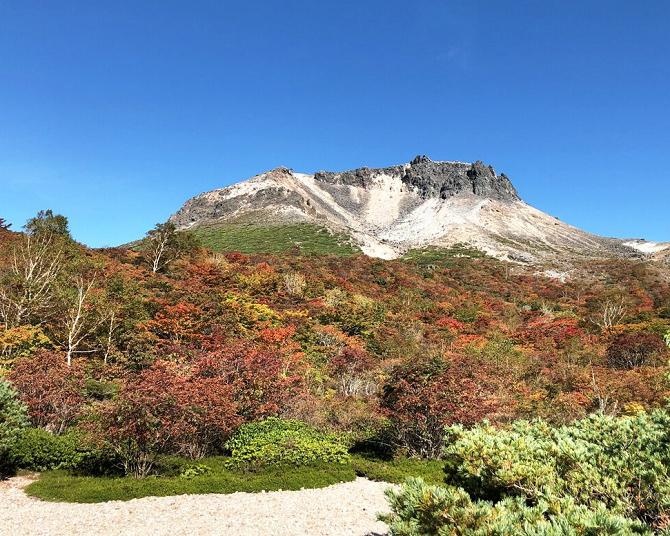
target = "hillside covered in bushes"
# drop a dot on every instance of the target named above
(131, 355)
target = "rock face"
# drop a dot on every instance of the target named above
(433, 179)
(388, 211)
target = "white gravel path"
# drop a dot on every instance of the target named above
(347, 509)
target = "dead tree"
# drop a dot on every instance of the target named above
(81, 320)
(26, 288)
(610, 313)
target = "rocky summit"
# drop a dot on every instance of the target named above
(388, 211)
(433, 179)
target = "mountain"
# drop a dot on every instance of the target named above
(388, 211)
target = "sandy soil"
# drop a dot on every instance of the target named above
(343, 509)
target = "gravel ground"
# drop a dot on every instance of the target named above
(343, 509)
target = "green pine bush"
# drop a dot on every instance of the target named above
(422, 510)
(276, 441)
(598, 475)
(13, 418)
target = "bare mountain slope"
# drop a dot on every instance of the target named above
(388, 211)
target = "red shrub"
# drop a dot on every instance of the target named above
(635, 349)
(351, 360)
(165, 410)
(351, 368)
(178, 324)
(263, 378)
(449, 323)
(421, 398)
(53, 392)
(551, 332)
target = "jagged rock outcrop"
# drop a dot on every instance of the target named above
(433, 179)
(390, 210)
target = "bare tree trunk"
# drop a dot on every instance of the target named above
(157, 254)
(30, 280)
(77, 320)
(159, 248)
(610, 314)
(110, 332)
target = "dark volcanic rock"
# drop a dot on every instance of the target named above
(434, 179)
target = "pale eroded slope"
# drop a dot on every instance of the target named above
(391, 210)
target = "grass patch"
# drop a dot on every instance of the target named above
(62, 486)
(251, 238)
(442, 256)
(398, 470)
(213, 475)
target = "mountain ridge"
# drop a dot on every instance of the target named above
(423, 203)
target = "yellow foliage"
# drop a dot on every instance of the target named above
(363, 301)
(20, 341)
(258, 281)
(633, 408)
(297, 314)
(334, 297)
(249, 313)
(219, 260)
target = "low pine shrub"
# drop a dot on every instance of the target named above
(422, 510)
(623, 463)
(598, 475)
(13, 418)
(276, 441)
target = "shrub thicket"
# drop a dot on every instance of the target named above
(635, 349)
(422, 397)
(276, 441)
(599, 475)
(163, 411)
(13, 417)
(39, 450)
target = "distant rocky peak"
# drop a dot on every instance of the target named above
(433, 179)
(419, 159)
(391, 210)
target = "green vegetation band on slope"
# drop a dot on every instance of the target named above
(442, 256)
(251, 238)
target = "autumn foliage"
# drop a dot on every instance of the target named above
(166, 409)
(635, 349)
(422, 398)
(52, 391)
(173, 361)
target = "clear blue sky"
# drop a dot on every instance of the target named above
(114, 113)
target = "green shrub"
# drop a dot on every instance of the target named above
(100, 390)
(195, 470)
(13, 417)
(39, 450)
(468, 313)
(276, 441)
(599, 475)
(622, 463)
(177, 466)
(422, 510)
